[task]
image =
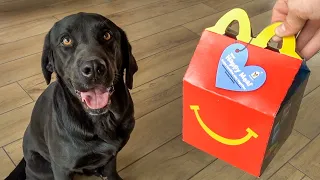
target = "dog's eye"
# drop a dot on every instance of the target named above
(66, 41)
(107, 36)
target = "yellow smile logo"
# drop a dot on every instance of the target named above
(223, 140)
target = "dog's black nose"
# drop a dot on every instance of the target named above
(93, 69)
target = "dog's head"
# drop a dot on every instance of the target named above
(89, 54)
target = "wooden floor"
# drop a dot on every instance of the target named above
(164, 34)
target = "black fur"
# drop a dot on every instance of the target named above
(64, 137)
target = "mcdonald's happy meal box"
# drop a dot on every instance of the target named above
(240, 97)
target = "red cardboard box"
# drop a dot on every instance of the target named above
(240, 99)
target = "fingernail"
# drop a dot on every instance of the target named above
(276, 39)
(280, 30)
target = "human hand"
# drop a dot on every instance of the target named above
(299, 16)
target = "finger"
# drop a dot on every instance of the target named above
(291, 26)
(306, 34)
(276, 39)
(312, 47)
(279, 11)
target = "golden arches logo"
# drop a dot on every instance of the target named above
(289, 44)
(232, 142)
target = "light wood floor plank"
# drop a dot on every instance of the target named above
(162, 63)
(149, 104)
(151, 10)
(10, 18)
(288, 172)
(12, 96)
(14, 123)
(314, 79)
(252, 8)
(35, 85)
(167, 21)
(157, 92)
(15, 5)
(21, 31)
(199, 25)
(16, 70)
(7, 1)
(308, 116)
(14, 150)
(171, 79)
(5, 164)
(226, 4)
(174, 161)
(152, 131)
(220, 170)
(21, 48)
(164, 40)
(306, 178)
(111, 7)
(308, 160)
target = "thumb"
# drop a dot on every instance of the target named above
(291, 26)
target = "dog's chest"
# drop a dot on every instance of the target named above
(94, 155)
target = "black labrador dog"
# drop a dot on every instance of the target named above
(84, 118)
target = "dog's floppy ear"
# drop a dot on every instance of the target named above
(129, 62)
(47, 64)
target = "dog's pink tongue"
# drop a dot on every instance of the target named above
(96, 98)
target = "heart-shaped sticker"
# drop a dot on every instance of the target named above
(234, 75)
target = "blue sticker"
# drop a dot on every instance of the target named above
(232, 73)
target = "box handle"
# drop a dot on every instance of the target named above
(289, 43)
(244, 24)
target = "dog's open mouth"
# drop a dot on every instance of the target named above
(96, 98)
